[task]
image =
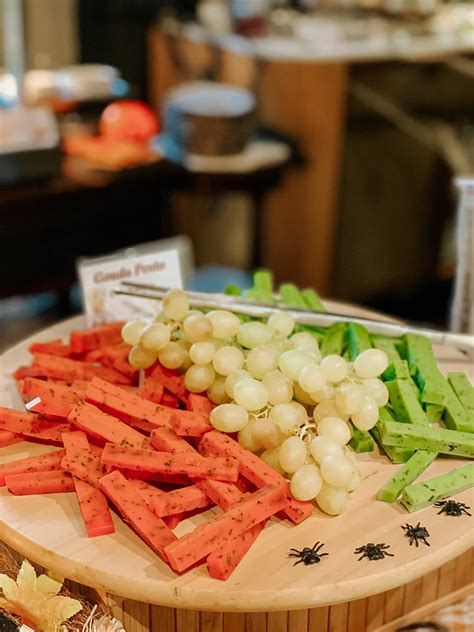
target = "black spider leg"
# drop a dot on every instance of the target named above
(298, 562)
(317, 548)
(383, 547)
(362, 556)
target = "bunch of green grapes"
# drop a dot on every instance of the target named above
(272, 387)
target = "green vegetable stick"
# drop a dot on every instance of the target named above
(394, 453)
(335, 340)
(359, 339)
(397, 368)
(291, 296)
(464, 390)
(361, 440)
(409, 472)
(312, 300)
(421, 495)
(404, 400)
(426, 438)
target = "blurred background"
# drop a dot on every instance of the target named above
(321, 140)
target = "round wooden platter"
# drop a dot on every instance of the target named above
(49, 530)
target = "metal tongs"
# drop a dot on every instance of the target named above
(304, 317)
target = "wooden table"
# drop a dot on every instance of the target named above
(266, 593)
(302, 91)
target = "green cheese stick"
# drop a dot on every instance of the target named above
(464, 390)
(424, 368)
(361, 440)
(426, 438)
(335, 340)
(291, 296)
(397, 368)
(358, 338)
(394, 453)
(408, 473)
(312, 300)
(262, 289)
(232, 290)
(428, 492)
(434, 412)
(404, 400)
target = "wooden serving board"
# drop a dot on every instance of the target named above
(49, 530)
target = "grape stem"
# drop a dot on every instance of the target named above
(303, 431)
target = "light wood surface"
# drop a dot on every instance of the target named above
(49, 531)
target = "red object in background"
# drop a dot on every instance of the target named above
(129, 120)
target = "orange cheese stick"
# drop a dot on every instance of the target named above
(125, 405)
(9, 438)
(256, 471)
(68, 370)
(41, 463)
(149, 493)
(180, 500)
(199, 404)
(84, 464)
(152, 530)
(92, 501)
(151, 390)
(104, 427)
(170, 380)
(53, 347)
(57, 400)
(221, 493)
(31, 425)
(189, 424)
(59, 482)
(89, 339)
(193, 465)
(209, 536)
(224, 560)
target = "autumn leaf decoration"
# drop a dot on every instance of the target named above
(36, 599)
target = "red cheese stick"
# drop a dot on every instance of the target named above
(59, 482)
(151, 390)
(193, 465)
(170, 380)
(222, 494)
(103, 426)
(42, 463)
(199, 404)
(209, 536)
(224, 560)
(31, 425)
(189, 424)
(9, 438)
(53, 347)
(149, 493)
(68, 370)
(92, 502)
(179, 500)
(57, 400)
(88, 339)
(256, 471)
(152, 530)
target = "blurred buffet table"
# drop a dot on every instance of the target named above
(300, 70)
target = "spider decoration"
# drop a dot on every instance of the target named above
(416, 534)
(373, 551)
(308, 555)
(452, 508)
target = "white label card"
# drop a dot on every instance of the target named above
(99, 278)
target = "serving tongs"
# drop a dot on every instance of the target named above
(257, 309)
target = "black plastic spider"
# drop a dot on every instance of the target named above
(416, 534)
(452, 508)
(308, 556)
(373, 551)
